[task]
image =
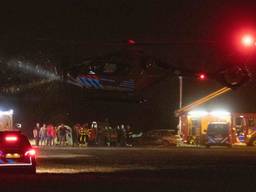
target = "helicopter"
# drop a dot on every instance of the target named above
(125, 73)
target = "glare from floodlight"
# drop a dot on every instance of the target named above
(197, 113)
(220, 113)
(10, 112)
(37, 70)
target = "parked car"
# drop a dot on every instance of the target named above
(164, 137)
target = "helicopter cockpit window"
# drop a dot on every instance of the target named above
(109, 68)
(92, 69)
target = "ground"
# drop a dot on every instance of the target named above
(139, 169)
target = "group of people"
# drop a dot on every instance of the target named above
(50, 135)
(102, 135)
(87, 134)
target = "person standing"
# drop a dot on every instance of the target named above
(36, 134)
(83, 135)
(42, 134)
(122, 136)
(100, 136)
(113, 137)
(119, 135)
(49, 132)
(91, 136)
(62, 132)
(48, 135)
(54, 135)
(86, 130)
(129, 136)
(96, 131)
(109, 131)
(75, 134)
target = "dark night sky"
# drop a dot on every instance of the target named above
(200, 35)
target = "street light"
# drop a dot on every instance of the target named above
(180, 101)
(201, 76)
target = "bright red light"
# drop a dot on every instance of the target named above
(131, 42)
(248, 41)
(11, 138)
(31, 152)
(202, 76)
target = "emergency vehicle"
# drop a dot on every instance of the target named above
(16, 152)
(207, 128)
(217, 127)
(244, 128)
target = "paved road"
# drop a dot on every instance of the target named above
(84, 160)
(140, 169)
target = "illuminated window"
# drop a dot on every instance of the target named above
(110, 68)
(251, 122)
(196, 126)
(195, 123)
(239, 121)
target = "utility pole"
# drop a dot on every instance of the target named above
(180, 101)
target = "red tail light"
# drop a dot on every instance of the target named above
(30, 153)
(11, 138)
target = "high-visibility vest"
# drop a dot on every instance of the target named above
(82, 131)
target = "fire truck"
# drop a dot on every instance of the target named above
(217, 127)
(244, 128)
